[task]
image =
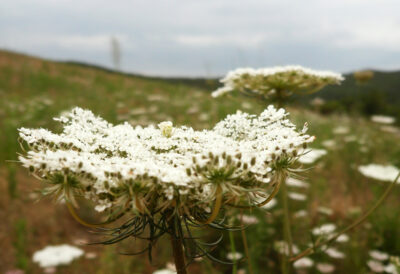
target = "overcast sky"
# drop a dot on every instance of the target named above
(207, 37)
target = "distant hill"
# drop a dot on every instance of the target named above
(385, 82)
(381, 94)
(193, 81)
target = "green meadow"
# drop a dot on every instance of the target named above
(33, 91)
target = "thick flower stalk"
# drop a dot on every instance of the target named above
(276, 83)
(165, 179)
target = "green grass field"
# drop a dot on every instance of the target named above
(33, 91)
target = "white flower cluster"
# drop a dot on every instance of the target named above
(312, 155)
(379, 262)
(153, 169)
(52, 256)
(380, 172)
(267, 81)
(382, 119)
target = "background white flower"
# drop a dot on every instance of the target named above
(324, 229)
(304, 262)
(378, 255)
(312, 155)
(52, 256)
(267, 81)
(379, 172)
(382, 119)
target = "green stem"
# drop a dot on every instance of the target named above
(279, 98)
(246, 247)
(286, 223)
(311, 250)
(233, 249)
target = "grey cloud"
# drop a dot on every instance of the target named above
(206, 38)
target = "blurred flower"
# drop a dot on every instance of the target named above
(268, 81)
(341, 130)
(221, 91)
(193, 109)
(363, 76)
(52, 256)
(334, 253)
(304, 262)
(246, 105)
(395, 260)
(382, 119)
(379, 172)
(270, 204)
(325, 267)
(91, 255)
(249, 220)
(391, 268)
(317, 102)
(234, 256)
(378, 255)
(376, 266)
(324, 229)
(204, 117)
(311, 156)
(156, 97)
(171, 266)
(300, 214)
(325, 210)
(169, 269)
(297, 196)
(283, 247)
(329, 143)
(290, 181)
(390, 129)
(342, 238)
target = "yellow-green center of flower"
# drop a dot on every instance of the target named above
(166, 128)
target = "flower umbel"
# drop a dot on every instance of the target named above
(276, 81)
(166, 184)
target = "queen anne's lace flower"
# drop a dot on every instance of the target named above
(376, 266)
(334, 253)
(325, 268)
(52, 256)
(283, 247)
(293, 182)
(303, 263)
(269, 81)
(310, 156)
(378, 255)
(234, 256)
(297, 196)
(379, 172)
(383, 119)
(325, 229)
(149, 170)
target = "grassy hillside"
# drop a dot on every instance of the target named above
(32, 91)
(386, 82)
(379, 95)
